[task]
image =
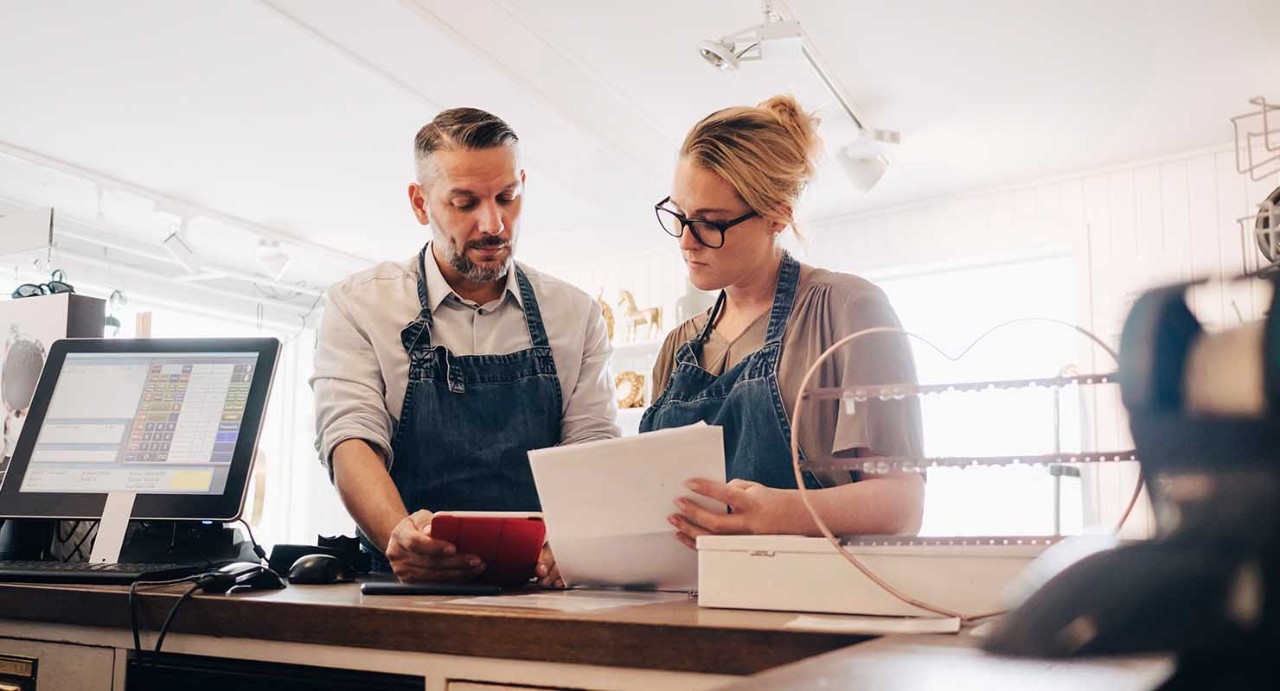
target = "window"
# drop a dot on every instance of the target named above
(290, 498)
(953, 307)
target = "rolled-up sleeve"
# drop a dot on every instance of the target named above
(592, 411)
(348, 384)
(883, 428)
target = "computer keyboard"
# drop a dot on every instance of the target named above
(99, 574)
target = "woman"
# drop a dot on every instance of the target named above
(740, 173)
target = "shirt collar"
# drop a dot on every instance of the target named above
(438, 289)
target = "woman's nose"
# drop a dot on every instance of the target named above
(687, 241)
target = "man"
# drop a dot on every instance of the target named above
(435, 376)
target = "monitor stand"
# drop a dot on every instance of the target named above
(112, 527)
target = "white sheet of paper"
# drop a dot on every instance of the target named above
(572, 601)
(606, 505)
(874, 625)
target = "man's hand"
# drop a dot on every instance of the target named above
(416, 557)
(547, 573)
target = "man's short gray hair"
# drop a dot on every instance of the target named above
(459, 128)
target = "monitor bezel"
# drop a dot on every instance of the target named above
(79, 506)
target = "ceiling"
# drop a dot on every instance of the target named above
(297, 116)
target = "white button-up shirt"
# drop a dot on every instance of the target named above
(362, 369)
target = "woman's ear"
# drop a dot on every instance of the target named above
(776, 227)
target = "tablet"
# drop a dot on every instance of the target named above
(508, 542)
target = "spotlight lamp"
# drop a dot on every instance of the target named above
(863, 159)
(756, 43)
(273, 260)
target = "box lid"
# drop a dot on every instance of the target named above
(995, 547)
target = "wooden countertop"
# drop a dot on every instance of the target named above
(674, 636)
(929, 662)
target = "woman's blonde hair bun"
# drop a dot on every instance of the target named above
(767, 152)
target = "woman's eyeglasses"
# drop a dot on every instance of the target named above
(707, 233)
(53, 287)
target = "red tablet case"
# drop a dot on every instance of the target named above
(509, 545)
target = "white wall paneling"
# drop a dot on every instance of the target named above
(1128, 228)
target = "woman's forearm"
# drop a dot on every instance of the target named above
(882, 505)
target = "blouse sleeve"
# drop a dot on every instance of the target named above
(833, 308)
(875, 427)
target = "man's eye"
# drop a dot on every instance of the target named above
(464, 205)
(506, 198)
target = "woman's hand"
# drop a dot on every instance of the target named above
(756, 509)
(547, 573)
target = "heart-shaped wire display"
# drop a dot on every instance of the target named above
(798, 465)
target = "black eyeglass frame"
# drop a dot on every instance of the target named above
(686, 222)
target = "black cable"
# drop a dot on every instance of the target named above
(257, 549)
(133, 616)
(164, 628)
(133, 604)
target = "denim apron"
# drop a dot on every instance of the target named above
(745, 401)
(468, 422)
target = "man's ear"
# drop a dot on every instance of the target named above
(418, 202)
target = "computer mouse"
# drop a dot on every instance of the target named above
(319, 569)
(240, 575)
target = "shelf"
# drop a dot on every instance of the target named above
(629, 420)
(884, 464)
(887, 392)
(628, 349)
(945, 541)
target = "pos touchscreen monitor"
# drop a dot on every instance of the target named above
(169, 425)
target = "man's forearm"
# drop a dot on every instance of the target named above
(366, 489)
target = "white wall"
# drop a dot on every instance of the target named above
(1128, 228)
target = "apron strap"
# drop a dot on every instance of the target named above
(711, 320)
(783, 297)
(420, 328)
(532, 315)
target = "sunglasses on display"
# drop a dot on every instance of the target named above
(55, 286)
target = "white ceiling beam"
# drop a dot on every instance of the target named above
(78, 229)
(172, 204)
(159, 298)
(365, 64)
(211, 271)
(99, 262)
(566, 84)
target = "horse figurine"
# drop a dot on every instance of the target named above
(607, 313)
(635, 317)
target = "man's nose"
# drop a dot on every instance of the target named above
(490, 219)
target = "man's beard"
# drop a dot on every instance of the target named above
(470, 270)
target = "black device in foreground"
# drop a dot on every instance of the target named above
(1207, 587)
(396, 588)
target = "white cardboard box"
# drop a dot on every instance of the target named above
(806, 574)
